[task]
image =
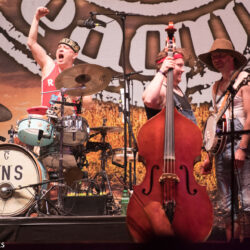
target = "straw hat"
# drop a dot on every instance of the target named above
(223, 45)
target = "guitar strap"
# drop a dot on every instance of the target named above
(226, 92)
(224, 100)
(225, 95)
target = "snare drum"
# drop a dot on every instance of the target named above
(118, 155)
(19, 168)
(34, 126)
(76, 130)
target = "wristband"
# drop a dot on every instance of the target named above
(162, 72)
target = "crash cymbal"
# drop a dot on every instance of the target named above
(5, 114)
(92, 77)
(106, 129)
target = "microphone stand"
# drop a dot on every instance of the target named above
(234, 193)
(127, 125)
(127, 122)
(60, 200)
(234, 175)
(126, 111)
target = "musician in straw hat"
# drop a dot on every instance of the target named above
(223, 58)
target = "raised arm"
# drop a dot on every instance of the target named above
(38, 52)
(155, 93)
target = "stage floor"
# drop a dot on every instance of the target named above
(58, 229)
(89, 232)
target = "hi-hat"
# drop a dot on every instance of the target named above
(105, 129)
(5, 114)
(87, 79)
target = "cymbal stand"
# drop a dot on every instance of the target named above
(103, 172)
(11, 133)
(60, 172)
(128, 125)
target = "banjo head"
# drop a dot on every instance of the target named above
(211, 141)
(209, 135)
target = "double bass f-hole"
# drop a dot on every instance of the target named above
(151, 183)
(183, 167)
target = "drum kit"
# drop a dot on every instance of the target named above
(47, 147)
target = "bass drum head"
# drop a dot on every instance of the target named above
(19, 168)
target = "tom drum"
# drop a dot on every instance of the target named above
(36, 130)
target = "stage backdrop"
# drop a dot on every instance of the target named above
(143, 24)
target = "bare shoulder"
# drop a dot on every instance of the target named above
(246, 85)
(246, 89)
(48, 66)
(215, 87)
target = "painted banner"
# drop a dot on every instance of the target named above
(142, 26)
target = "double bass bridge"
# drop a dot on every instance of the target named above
(166, 177)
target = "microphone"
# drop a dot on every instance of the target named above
(90, 23)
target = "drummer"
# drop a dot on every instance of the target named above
(66, 53)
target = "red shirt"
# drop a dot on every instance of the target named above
(48, 84)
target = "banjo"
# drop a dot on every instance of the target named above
(217, 122)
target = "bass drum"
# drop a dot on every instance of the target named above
(19, 168)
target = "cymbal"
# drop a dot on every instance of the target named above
(106, 129)
(5, 114)
(93, 78)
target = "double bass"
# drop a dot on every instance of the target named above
(169, 201)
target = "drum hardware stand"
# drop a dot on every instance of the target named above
(83, 162)
(11, 132)
(104, 156)
(40, 197)
(63, 103)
